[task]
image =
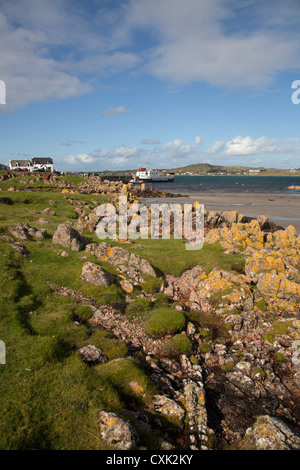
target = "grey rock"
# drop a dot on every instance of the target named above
(194, 397)
(116, 431)
(42, 221)
(119, 256)
(18, 247)
(21, 231)
(26, 232)
(170, 410)
(69, 237)
(94, 274)
(41, 233)
(271, 433)
(49, 211)
(92, 355)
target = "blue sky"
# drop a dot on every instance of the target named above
(113, 84)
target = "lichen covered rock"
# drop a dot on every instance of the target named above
(116, 431)
(94, 274)
(271, 433)
(69, 237)
(119, 256)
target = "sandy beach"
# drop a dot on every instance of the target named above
(284, 210)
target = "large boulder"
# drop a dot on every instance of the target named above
(118, 256)
(205, 292)
(237, 236)
(263, 261)
(94, 274)
(69, 237)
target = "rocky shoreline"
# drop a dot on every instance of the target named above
(238, 386)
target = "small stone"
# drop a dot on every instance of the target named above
(126, 286)
(49, 211)
(92, 355)
(43, 221)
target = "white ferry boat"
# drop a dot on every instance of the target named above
(146, 175)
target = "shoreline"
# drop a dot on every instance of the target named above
(283, 210)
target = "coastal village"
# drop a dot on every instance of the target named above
(148, 346)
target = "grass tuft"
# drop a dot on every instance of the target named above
(165, 321)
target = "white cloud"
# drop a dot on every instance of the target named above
(178, 153)
(112, 112)
(118, 158)
(198, 140)
(248, 146)
(194, 42)
(54, 50)
(216, 147)
(78, 159)
(61, 49)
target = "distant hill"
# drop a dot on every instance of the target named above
(208, 169)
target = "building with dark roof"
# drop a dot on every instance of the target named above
(34, 164)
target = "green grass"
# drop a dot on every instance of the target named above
(164, 321)
(262, 305)
(47, 393)
(139, 307)
(204, 348)
(50, 399)
(176, 346)
(228, 366)
(259, 371)
(279, 328)
(125, 376)
(171, 257)
(151, 285)
(210, 326)
(280, 357)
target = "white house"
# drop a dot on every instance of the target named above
(34, 164)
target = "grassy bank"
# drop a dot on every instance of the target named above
(50, 398)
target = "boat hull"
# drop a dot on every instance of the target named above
(156, 180)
